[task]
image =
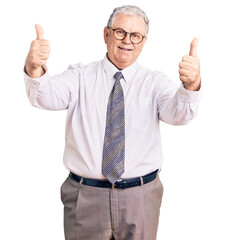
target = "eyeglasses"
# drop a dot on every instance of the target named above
(120, 34)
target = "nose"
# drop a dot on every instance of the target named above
(127, 40)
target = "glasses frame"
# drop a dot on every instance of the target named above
(114, 29)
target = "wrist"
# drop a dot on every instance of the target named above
(34, 72)
(193, 86)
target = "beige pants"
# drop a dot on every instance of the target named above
(92, 213)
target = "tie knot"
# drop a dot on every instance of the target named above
(118, 75)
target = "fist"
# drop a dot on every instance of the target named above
(38, 54)
(189, 68)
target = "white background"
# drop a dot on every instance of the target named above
(32, 140)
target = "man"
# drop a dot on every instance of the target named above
(113, 146)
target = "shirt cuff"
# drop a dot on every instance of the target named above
(36, 81)
(185, 95)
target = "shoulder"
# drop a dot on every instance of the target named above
(150, 75)
(80, 67)
(84, 72)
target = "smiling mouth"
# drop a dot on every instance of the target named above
(125, 49)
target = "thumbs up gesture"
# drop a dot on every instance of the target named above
(190, 68)
(38, 54)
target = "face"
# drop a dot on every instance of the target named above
(123, 53)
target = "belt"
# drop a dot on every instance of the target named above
(122, 184)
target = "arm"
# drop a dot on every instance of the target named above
(176, 106)
(53, 93)
(180, 106)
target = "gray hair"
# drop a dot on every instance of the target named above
(129, 10)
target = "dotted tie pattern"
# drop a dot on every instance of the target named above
(114, 141)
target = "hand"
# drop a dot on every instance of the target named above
(190, 68)
(38, 54)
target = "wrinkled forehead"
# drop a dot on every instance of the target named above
(129, 23)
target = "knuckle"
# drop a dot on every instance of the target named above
(33, 42)
(46, 56)
(182, 79)
(45, 42)
(33, 51)
(184, 58)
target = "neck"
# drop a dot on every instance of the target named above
(119, 66)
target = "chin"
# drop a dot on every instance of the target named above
(122, 65)
(124, 60)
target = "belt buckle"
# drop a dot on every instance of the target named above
(118, 181)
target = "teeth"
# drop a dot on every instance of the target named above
(125, 49)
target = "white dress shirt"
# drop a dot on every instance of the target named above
(84, 91)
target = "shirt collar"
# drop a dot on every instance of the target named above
(111, 69)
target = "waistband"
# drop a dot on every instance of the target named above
(122, 184)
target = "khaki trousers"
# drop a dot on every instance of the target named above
(92, 213)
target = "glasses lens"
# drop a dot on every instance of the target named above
(136, 37)
(119, 34)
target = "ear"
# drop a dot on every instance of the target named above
(145, 39)
(106, 33)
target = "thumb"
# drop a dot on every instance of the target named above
(193, 47)
(39, 31)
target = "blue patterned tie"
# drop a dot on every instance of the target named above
(114, 142)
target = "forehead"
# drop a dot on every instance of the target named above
(130, 23)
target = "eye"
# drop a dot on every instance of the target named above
(119, 32)
(136, 36)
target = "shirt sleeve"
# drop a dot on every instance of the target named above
(53, 93)
(176, 105)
